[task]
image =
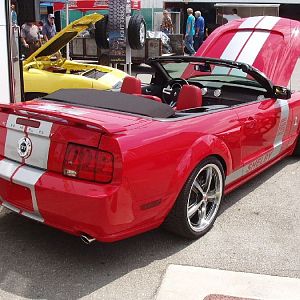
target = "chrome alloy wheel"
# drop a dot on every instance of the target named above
(204, 197)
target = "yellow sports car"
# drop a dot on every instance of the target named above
(46, 71)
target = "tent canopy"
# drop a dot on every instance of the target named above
(85, 5)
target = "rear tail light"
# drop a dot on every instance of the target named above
(88, 163)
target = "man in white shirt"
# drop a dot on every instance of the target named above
(232, 16)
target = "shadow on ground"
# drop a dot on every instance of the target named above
(41, 262)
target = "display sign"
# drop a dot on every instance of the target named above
(119, 11)
(85, 5)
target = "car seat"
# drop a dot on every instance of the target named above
(190, 96)
(131, 85)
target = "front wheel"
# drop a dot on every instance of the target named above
(197, 205)
(297, 147)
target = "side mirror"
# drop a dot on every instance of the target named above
(202, 67)
(145, 78)
(281, 92)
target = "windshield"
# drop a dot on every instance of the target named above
(209, 74)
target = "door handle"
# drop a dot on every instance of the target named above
(250, 122)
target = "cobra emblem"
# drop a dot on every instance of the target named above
(24, 147)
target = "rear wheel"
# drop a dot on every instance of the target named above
(137, 32)
(197, 205)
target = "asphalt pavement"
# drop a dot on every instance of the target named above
(257, 231)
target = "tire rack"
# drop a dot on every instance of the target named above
(118, 19)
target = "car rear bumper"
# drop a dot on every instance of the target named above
(75, 206)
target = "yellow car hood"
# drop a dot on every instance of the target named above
(64, 36)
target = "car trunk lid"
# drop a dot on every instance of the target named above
(37, 133)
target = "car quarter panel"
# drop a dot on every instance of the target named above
(159, 157)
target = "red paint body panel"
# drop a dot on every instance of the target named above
(152, 158)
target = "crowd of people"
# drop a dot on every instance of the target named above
(33, 35)
(195, 27)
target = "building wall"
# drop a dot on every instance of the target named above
(149, 7)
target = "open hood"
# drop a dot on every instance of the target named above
(63, 37)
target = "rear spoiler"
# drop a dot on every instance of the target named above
(62, 118)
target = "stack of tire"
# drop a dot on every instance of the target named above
(136, 32)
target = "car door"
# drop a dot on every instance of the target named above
(264, 125)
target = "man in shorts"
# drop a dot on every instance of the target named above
(30, 38)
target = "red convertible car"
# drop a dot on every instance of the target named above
(107, 166)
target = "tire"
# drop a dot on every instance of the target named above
(194, 212)
(101, 33)
(137, 32)
(297, 147)
(34, 95)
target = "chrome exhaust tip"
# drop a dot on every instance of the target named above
(87, 239)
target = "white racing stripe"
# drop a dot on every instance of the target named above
(14, 133)
(251, 51)
(284, 117)
(246, 45)
(40, 145)
(28, 177)
(38, 136)
(232, 50)
(24, 175)
(268, 23)
(8, 168)
(250, 23)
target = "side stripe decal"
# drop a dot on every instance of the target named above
(284, 116)
(277, 145)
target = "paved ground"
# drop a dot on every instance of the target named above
(257, 231)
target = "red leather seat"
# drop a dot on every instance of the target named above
(131, 85)
(190, 96)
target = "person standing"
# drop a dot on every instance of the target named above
(232, 16)
(30, 38)
(199, 30)
(49, 29)
(190, 32)
(166, 24)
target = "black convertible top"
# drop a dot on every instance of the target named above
(112, 101)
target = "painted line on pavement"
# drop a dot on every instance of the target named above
(191, 283)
